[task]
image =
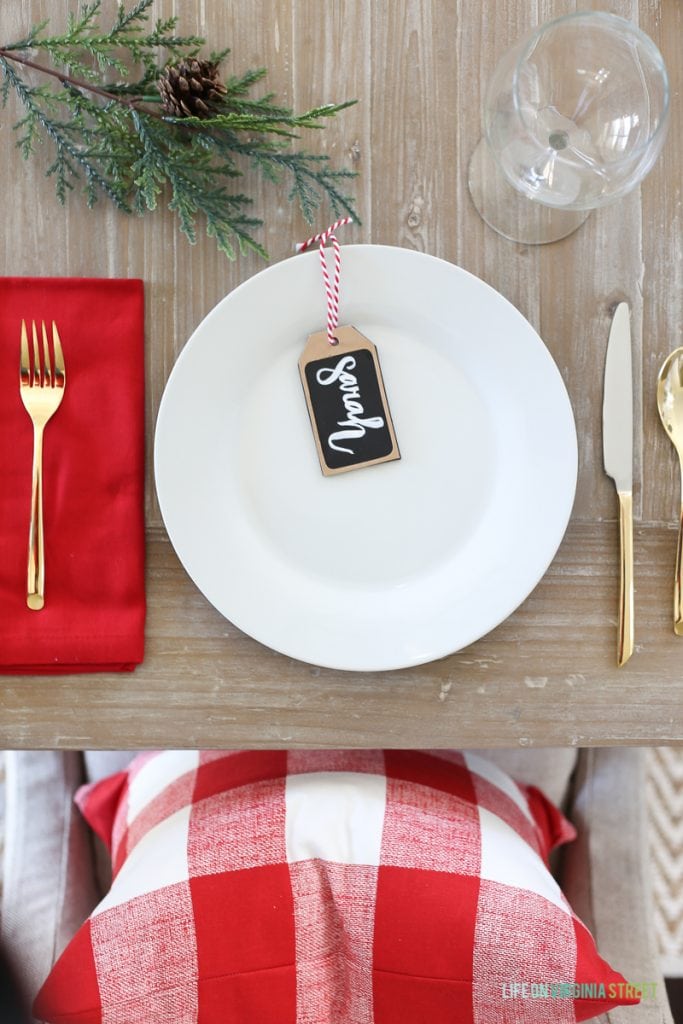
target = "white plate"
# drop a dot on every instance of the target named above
(391, 565)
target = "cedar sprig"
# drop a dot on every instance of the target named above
(101, 113)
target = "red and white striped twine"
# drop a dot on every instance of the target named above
(331, 289)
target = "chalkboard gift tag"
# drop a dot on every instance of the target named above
(347, 403)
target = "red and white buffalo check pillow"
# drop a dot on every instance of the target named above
(327, 887)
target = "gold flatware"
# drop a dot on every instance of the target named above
(617, 451)
(41, 388)
(670, 405)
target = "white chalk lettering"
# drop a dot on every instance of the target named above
(329, 374)
(359, 427)
(357, 422)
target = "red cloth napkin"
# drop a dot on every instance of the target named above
(93, 481)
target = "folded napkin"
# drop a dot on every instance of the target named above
(93, 481)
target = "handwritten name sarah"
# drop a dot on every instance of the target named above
(356, 422)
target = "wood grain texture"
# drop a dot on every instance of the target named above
(547, 676)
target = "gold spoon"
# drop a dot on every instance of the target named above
(670, 405)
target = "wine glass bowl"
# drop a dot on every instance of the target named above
(575, 116)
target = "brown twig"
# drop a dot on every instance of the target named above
(133, 102)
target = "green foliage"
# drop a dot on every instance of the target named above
(110, 136)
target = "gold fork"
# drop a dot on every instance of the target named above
(41, 390)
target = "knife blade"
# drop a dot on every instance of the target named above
(617, 450)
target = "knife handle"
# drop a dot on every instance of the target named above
(626, 613)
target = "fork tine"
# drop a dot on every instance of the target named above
(60, 372)
(24, 362)
(36, 356)
(47, 369)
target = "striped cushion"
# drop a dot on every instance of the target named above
(327, 887)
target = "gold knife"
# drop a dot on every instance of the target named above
(617, 450)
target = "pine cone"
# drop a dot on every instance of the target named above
(191, 88)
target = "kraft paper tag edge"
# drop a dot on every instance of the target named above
(361, 440)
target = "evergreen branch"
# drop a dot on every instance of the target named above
(27, 42)
(138, 12)
(311, 174)
(313, 178)
(125, 139)
(69, 155)
(8, 54)
(193, 189)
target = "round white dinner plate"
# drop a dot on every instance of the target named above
(390, 565)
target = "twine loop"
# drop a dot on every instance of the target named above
(331, 286)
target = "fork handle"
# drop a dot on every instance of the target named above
(35, 579)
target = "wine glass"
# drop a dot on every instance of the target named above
(574, 118)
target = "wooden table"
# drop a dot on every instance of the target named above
(547, 676)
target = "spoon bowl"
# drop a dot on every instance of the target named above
(670, 397)
(670, 405)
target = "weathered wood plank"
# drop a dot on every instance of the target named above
(547, 675)
(663, 271)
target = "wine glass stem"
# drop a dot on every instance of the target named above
(511, 213)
